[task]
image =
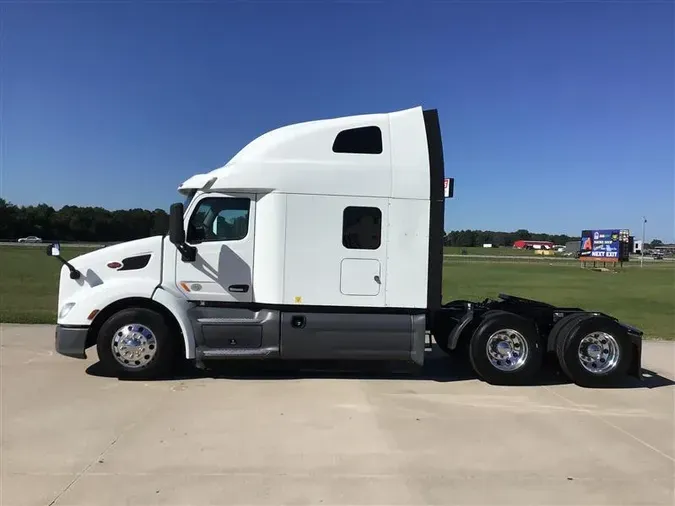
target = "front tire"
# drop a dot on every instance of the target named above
(505, 349)
(136, 343)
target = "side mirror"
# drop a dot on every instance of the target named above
(176, 229)
(177, 233)
(54, 250)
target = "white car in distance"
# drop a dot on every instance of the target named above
(30, 238)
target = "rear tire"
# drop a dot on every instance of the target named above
(463, 343)
(136, 343)
(594, 351)
(563, 325)
(505, 349)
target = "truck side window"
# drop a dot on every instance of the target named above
(361, 227)
(363, 140)
(219, 219)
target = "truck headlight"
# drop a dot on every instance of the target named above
(66, 309)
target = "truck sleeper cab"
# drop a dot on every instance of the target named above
(319, 240)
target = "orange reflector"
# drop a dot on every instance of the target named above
(184, 285)
(93, 314)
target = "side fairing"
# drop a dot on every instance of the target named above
(436, 171)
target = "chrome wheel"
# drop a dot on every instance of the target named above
(134, 345)
(599, 352)
(507, 350)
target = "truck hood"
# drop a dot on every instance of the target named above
(99, 258)
(128, 262)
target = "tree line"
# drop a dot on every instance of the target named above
(469, 238)
(96, 224)
(75, 223)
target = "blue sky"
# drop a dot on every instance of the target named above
(556, 116)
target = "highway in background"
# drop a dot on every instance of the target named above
(47, 243)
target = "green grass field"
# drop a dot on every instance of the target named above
(30, 283)
(644, 297)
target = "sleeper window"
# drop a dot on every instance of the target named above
(362, 140)
(362, 228)
(219, 219)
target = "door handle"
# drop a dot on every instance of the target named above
(238, 288)
(377, 279)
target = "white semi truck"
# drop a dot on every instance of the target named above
(318, 240)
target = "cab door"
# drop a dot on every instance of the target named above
(221, 227)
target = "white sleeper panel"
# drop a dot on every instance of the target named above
(269, 249)
(314, 251)
(407, 253)
(409, 155)
(310, 276)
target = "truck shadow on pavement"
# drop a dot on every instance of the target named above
(437, 367)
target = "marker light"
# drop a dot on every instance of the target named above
(66, 309)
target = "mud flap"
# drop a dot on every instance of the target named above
(456, 332)
(635, 368)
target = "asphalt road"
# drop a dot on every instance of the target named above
(253, 435)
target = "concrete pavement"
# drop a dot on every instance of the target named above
(255, 435)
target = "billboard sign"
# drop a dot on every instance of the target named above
(604, 245)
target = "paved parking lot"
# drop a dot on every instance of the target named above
(253, 435)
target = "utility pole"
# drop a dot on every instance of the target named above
(642, 249)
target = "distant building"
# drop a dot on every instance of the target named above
(572, 246)
(637, 246)
(668, 249)
(523, 244)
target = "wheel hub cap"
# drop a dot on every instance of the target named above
(507, 350)
(594, 350)
(599, 353)
(504, 348)
(134, 345)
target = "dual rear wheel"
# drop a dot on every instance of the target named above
(593, 350)
(505, 349)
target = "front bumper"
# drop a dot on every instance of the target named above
(71, 341)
